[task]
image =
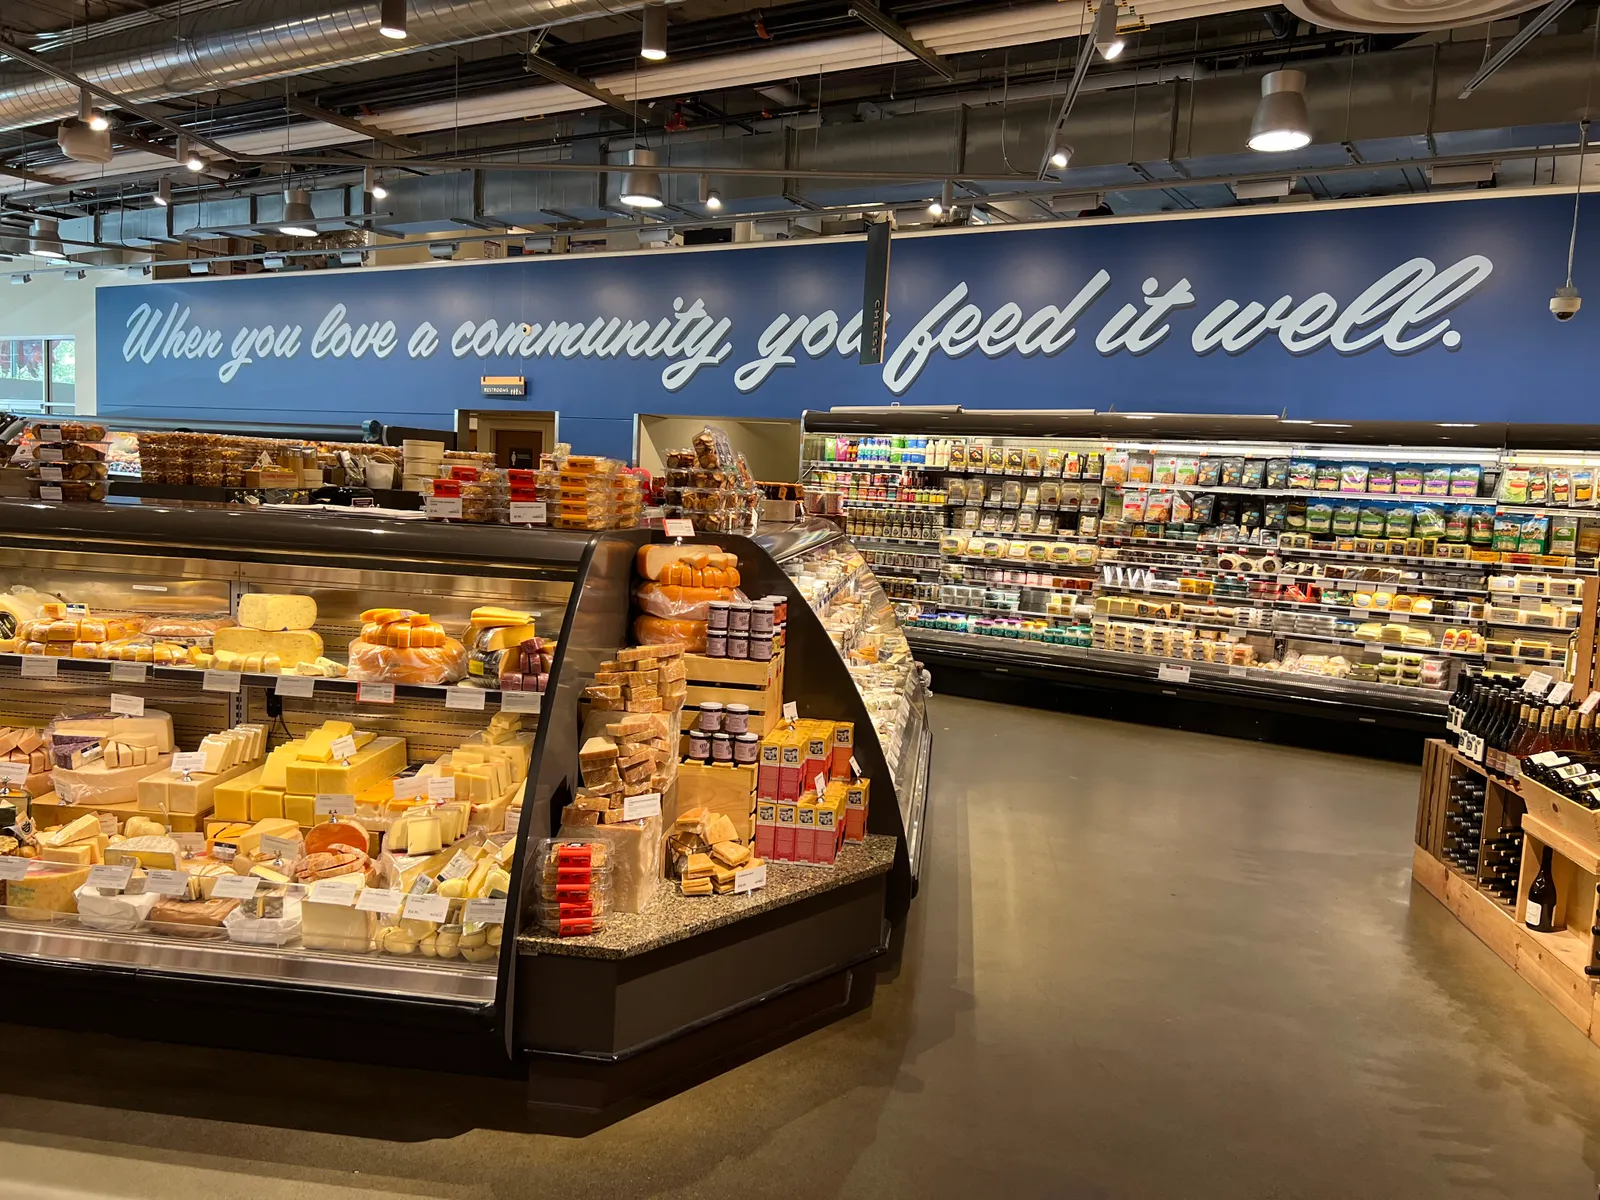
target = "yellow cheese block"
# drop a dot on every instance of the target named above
(416, 835)
(79, 852)
(47, 888)
(230, 800)
(380, 759)
(514, 749)
(100, 786)
(318, 746)
(168, 791)
(160, 853)
(276, 613)
(267, 802)
(500, 637)
(154, 729)
(83, 829)
(292, 647)
(274, 775)
(300, 809)
(249, 842)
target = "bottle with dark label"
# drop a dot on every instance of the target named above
(1540, 915)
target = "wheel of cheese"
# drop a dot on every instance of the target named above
(322, 838)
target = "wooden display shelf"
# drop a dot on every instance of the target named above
(728, 788)
(735, 681)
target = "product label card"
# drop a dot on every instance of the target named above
(529, 512)
(236, 887)
(1590, 702)
(344, 747)
(380, 900)
(295, 685)
(457, 867)
(855, 768)
(1537, 683)
(677, 527)
(190, 843)
(12, 868)
(375, 693)
(1559, 693)
(49, 491)
(527, 702)
(1173, 672)
(222, 681)
(49, 474)
(341, 892)
(129, 672)
(409, 787)
(443, 507)
(433, 908)
(127, 706)
(469, 698)
(336, 804)
(37, 666)
(167, 883)
(188, 762)
(791, 710)
(486, 912)
(13, 774)
(441, 787)
(750, 879)
(637, 808)
(115, 878)
(278, 847)
(108, 823)
(48, 433)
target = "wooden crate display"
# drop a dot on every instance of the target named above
(727, 788)
(735, 681)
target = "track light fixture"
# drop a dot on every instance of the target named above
(946, 200)
(1107, 40)
(709, 196)
(274, 262)
(199, 266)
(91, 114)
(392, 19)
(1281, 121)
(352, 258)
(371, 185)
(298, 219)
(163, 195)
(641, 186)
(1060, 154)
(654, 43)
(191, 161)
(21, 279)
(44, 240)
(443, 251)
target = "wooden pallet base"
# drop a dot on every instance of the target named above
(1551, 963)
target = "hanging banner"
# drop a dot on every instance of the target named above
(875, 295)
(1433, 311)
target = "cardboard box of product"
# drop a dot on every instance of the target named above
(766, 828)
(783, 841)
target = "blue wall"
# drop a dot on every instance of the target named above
(1429, 311)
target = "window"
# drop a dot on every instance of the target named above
(38, 375)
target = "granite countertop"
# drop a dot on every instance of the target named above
(674, 917)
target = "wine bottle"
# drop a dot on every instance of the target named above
(1526, 733)
(1540, 915)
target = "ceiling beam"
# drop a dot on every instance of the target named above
(30, 177)
(871, 14)
(1085, 56)
(542, 66)
(306, 109)
(1514, 47)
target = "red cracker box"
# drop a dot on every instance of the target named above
(790, 770)
(766, 828)
(783, 843)
(768, 770)
(805, 837)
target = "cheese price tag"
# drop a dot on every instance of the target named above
(487, 912)
(1590, 702)
(441, 787)
(433, 908)
(49, 474)
(527, 702)
(1537, 683)
(1173, 672)
(48, 433)
(344, 747)
(49, 491)
(820, 785)
(529, 512)
(15, 774)
(280, 847)
(855, 768)
(513, 819)
(791, 710)
(677, 527)
(1559, 693)
(188, 760)
(1239, 672)
(235, 887)
(189, 843)
(124, 672)
(446, 507)
(457, 867)
(409, 787)
(336, 805)
(469, 698)
(13, 869)
(375, 693)
(116, 878)
(294, 685)
(380, 900)
(37, 666)
(222, 681)
(108, 823)
(125, 705)
(749, 879)
(51, 454)
(167, 883)
(335, 891)
(637, 808)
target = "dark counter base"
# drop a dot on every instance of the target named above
(1372, 734)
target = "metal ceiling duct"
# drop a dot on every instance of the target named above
(269, 39)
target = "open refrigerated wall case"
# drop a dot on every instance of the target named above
(1355, 568)
(622, 1012)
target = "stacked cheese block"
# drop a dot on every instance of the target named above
(574, 886)
(637, 755)
(27, 746)
(98, 758)
(504, 651)
(483, 492)
(705, 853)
(420, 464)
(676, 586)
(68, 631)
(593, 493)
(228, 755)
(274, 635)
(400, 646)
(286, 785)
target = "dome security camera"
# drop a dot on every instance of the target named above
(1565, 303)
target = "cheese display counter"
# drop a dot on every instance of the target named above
(311, 771)
(1349, 569)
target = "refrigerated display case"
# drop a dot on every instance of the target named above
(1346, 568)
(204, 710)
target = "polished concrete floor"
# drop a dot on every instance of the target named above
(1143, 964)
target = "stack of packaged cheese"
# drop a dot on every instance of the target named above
(574, 886)
(275, 634)
(675, 589)
(704, 853)
(400, 646)
(504, 651)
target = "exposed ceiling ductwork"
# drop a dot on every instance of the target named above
(269, 39)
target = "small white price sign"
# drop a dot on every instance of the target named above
(125, 705)
(16, 774)
(820, 784)
(334, 804)
(1537, 683)
(49, 491)
(222, 681)
(189, 843)
(38, 666)
(12, 869)
(1239, 672)
(433, 908)
(344, 747)
(49, 474)
(1560, 693)
(791, 710)
(1590, 702)
(51, 454)
(48, 433)
(280, 847)
(167, 883)
(188, 761)
(677, 527)
(108, 823)
(236, 887)
(441, 787)
(375, 693)
(129, 672)
(1173, 672)
(116, 878)
(855, 767)
(294, 685)
(335, 891)
(527, 702)
(380, 900)
(446, 507)
(485, 912)
(529, 512)
(409, 787)
(469, 698)
(749, 879)
(637, 808)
